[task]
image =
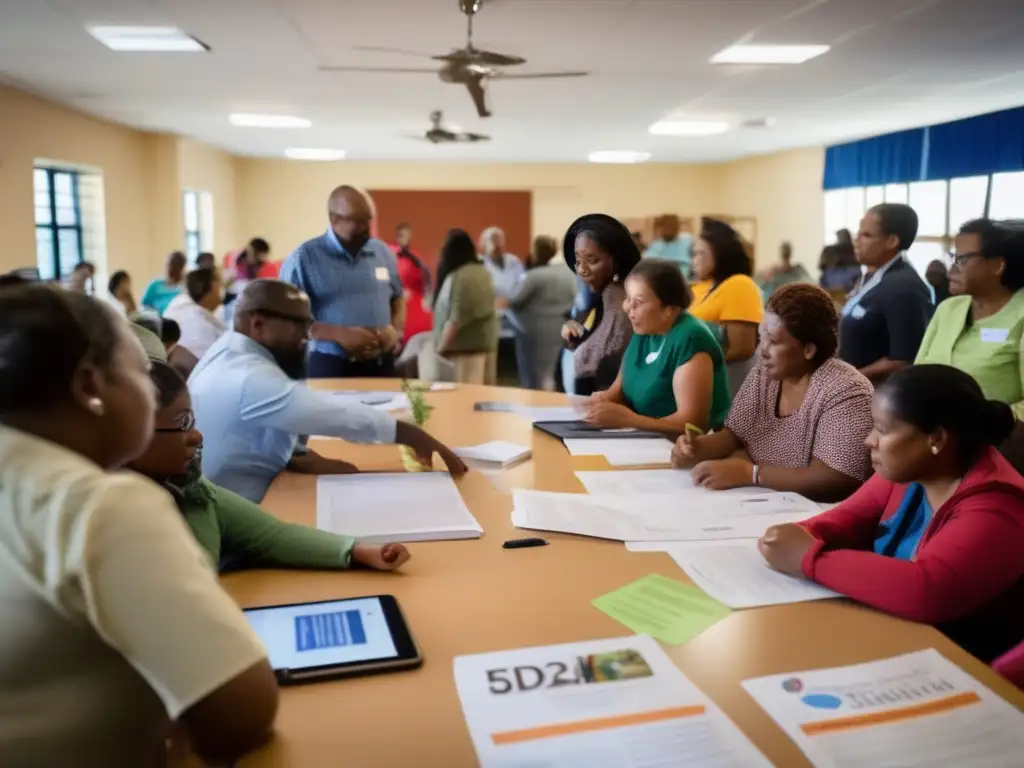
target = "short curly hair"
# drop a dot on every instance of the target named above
(810, 316)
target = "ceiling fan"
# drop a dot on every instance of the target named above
(441, 134)
(468, 66)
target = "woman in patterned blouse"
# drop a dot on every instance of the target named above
(800, 420)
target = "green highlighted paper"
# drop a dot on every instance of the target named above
(664, 608)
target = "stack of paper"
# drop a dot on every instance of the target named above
(624, 452)
(915, 711)
(380, 508)
(736, 574)
(659, 518)
(532, 413)
(649, 481)
(618, 703)
(497, 453)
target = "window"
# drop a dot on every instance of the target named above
(197, 211)
(928, 198)
(844, 209)
(896, 193)
(966, 200)
(1007, 196)
(59, 240)
(875, 196)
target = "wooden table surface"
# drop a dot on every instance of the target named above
(466, 597)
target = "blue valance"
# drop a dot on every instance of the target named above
(889, 159)
(977, 146)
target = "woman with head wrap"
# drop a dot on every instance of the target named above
(601, 250)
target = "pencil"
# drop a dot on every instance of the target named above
(694, 430)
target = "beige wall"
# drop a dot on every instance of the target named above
(284, 201)
(783, 192)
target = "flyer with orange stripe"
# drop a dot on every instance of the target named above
(617, 703)
(919, 709)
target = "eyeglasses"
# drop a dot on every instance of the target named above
(186, 423)
(959, 259)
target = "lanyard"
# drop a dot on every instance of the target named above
(854, 301)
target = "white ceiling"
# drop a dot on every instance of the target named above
(894, 64)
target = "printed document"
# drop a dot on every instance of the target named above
(736, 574)
(914, 711)
(648, 481)
(618, 703)
(632, 452)
(659, 517)
(394, 507)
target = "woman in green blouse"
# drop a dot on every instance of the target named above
(234, 531)
(979, 329)
(673, 372)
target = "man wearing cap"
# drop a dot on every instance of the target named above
(252, 407)
(352, 281)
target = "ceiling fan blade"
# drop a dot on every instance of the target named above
(400, 51)
(537, 75)
(483, 58)
(392, 70)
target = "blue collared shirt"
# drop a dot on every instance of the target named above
(344, 290)
(506, 277)
(251, 414)
(678, 251)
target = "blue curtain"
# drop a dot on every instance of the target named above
(977, 146)
(888, 159)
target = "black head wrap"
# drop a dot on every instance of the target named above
(611, 235)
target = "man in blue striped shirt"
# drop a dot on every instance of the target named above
(352, 281)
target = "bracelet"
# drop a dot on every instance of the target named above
(757, 475)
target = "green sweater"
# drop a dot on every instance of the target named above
(231, 529)
(989, 349)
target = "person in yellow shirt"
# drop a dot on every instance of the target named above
(726, 297)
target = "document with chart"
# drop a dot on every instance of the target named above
(916, 711)
(394, 507)
(617, 703)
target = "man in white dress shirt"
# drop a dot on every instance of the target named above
(194, 310)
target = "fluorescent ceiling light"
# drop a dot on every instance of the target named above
(311, 153)
(268, 121)
(688, 128)
(768, 54)
(618, 156)
(150, 39)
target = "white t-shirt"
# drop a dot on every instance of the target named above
(112, 618)
(199, 326)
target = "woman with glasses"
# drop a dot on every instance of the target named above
(979, 328)
(673, 372)
(232, 530)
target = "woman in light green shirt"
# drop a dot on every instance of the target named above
(980, 328)
(232, 530)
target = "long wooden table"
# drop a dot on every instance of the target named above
(473, 596)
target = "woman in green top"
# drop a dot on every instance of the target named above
(234, 531)
(465, 319)
(673, 372)
(979, 328)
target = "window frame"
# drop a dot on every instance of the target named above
(193, 237)
(53, 227)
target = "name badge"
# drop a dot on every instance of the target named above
(858, 312)
(382, 273)
(995, 335)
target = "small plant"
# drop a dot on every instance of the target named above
(421, 410)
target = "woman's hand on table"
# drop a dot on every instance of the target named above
(785, 546)
(608, 415)
(723, 474)
(686, 451)
(388, 557)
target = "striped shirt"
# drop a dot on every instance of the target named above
(344, 290)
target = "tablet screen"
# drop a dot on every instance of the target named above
(324, 634)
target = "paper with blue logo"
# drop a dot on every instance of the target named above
(918, 710)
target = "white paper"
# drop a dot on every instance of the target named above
(495, 452)
(736, 574)
(398, 507)
(624, 452)
(648, 481)
(914, 711)
(666, 518)
(533, 707)
(547, 413)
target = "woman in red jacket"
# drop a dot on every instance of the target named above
(937, 534)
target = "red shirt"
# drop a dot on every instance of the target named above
(968, 576)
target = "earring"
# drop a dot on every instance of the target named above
(95, 406)
(935, 450)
